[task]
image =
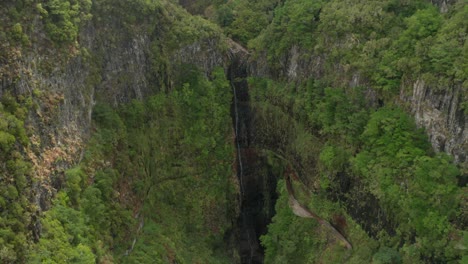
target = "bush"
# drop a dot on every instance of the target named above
(386, 255)
(63, 17)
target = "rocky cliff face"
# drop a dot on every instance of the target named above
(116, 66)
(443, 4)
(440, 114)
(110, 64)
(438, 111)
(294, 66)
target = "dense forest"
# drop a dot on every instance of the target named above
(164, 131)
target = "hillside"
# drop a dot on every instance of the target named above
(271, 131)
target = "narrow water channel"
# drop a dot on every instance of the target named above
(257, 183)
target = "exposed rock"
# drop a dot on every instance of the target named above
(302, 211)
(124, 69)
(438, 111)
(108, 64)
(295, 65)
(206, 55)
(443, 4)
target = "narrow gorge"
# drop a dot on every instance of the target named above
(289, 131)
(257, 183)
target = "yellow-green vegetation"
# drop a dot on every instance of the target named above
(184, 156)
(62, 18)
(303, 240)
(65, 237)
(144, 159)
(241, 20)
(15, 177)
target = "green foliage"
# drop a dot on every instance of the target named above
(293, 24)
(18, 35)
(389, 42)
(183, 169)
(6, 141)
(243, 20)
(389, 157)
(386, 255)
(419, 190)
(169, 154)
(303, 240)
(414, 43)
(246, 23)
(422, 24)
(290, 239)
(449, 52)
(201, 7)
(63, 18)
(107, 118)
(172, 153)
(340, 113)
(75, 179)
(15, 183)
(334, 159)
(224, 15)
(112, 128)
(63, 239)
(15, 25)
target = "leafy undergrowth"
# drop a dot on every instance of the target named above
(304, 240)
(156, 172)
(372, 165)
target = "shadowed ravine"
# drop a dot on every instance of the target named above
(257, 184)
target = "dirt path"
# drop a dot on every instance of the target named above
(302, 211)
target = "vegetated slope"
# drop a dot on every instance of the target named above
(350, 74)
(155, 184)
(116, 144)
(145, 180)
(344, 71)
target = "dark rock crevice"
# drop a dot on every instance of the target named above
(257, 181)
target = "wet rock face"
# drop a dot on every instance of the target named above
(257, 205)
(256, 180)
(439, 113)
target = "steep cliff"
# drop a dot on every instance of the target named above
(347, 75)
(116, 142)
(341, 57)
(113, 60)
(65, 57)
(439, 112)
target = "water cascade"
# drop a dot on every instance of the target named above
(257, 183)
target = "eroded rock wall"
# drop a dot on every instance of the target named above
(107, 64)
(439, 112)
(436, 109)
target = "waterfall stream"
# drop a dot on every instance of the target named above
(251, 222)
(247, 231)
(236, 128)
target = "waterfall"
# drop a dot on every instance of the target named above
(241, 168)
(236, 128)
(252, 171)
